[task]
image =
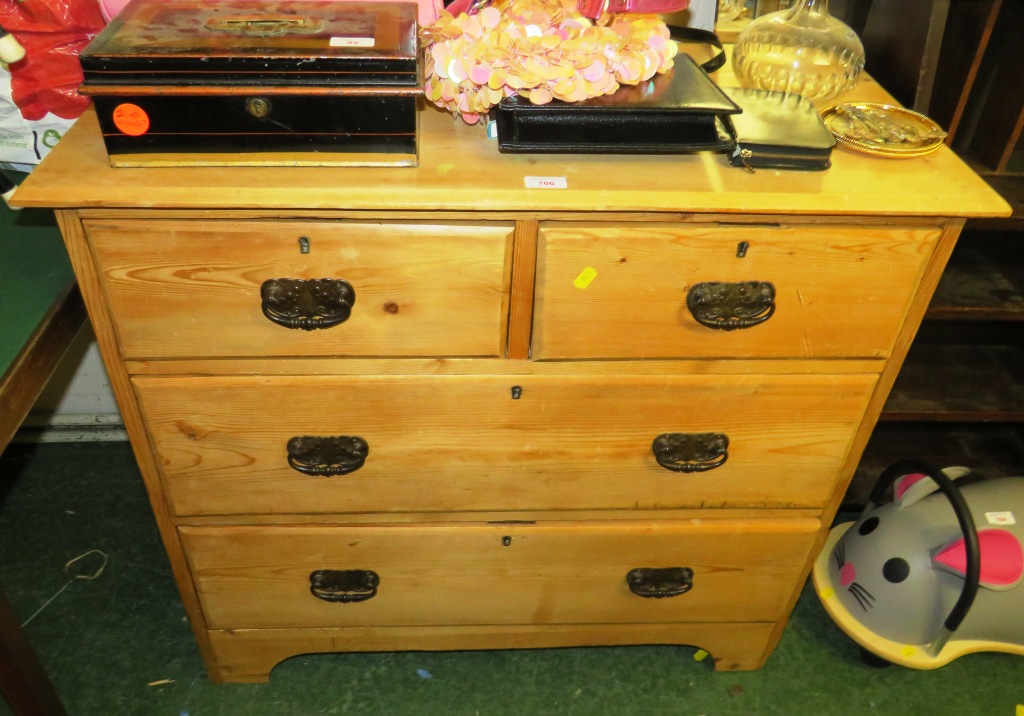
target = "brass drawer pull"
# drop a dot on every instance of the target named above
(691, 452)
(727, 306)
(660, 583)
(344, 585)
(307, 304)
(328, 455)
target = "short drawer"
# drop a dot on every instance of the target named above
(666, 291)
(277, 445)
(181, 288)
(545, 573)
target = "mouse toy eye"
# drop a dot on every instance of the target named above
(896, 570)
(868, 526)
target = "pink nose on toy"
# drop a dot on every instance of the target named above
(847, 574)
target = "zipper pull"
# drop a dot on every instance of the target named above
(746, 154)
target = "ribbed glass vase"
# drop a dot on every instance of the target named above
(729, 10)
(801, 50)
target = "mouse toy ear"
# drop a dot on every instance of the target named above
(915, 486)
(1002, 559)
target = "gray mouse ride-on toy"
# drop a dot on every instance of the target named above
(932, 575)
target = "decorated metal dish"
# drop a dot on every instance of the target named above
(883, 130)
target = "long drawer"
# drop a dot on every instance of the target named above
(666, 291)
(330, 444)
(547, 573)
(288, 288)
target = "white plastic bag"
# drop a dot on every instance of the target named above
(24, 142)
(39, 97)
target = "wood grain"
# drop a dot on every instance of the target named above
(248, 655)
(552, 573)
(460, 169)
(26, 377)
(189, 288)
(463, 278)
(87, 274)
(835, 293)
(524, 270)
(463, 443)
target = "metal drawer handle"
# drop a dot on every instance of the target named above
(307, 304)
(344, 585)
(328, 455)
(727, 306)
(691, 452)
(660, 583)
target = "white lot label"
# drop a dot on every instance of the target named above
(351, 42)
(546, 183)
(1000, 518)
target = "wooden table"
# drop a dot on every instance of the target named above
(41, 311)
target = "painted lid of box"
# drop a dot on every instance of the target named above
(256, 42)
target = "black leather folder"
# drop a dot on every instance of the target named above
(678, 112)
(779, 131)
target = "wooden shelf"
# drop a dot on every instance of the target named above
(977, 383)
(967, 362)
(959, 397)
(983, 280)
(992, 450)
(996, 117)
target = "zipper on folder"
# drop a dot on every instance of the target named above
(746, 154)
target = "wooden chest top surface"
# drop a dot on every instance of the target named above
(461, 170)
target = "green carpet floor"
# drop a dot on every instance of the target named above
(119, 644)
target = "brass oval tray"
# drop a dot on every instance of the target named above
(883, 130)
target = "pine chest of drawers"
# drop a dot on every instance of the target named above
(434, 408)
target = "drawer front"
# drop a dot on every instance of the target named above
(553, 573)
(782, 292)
(464, 443)
(191, 288)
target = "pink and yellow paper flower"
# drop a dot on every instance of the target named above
(541, 49)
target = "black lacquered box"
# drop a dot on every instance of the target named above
(257, 83)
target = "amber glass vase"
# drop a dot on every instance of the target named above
(801, 50)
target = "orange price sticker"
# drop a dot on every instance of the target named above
(131, 119)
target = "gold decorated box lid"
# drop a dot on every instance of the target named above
(256, 42)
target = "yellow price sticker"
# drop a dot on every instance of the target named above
(586, 276)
